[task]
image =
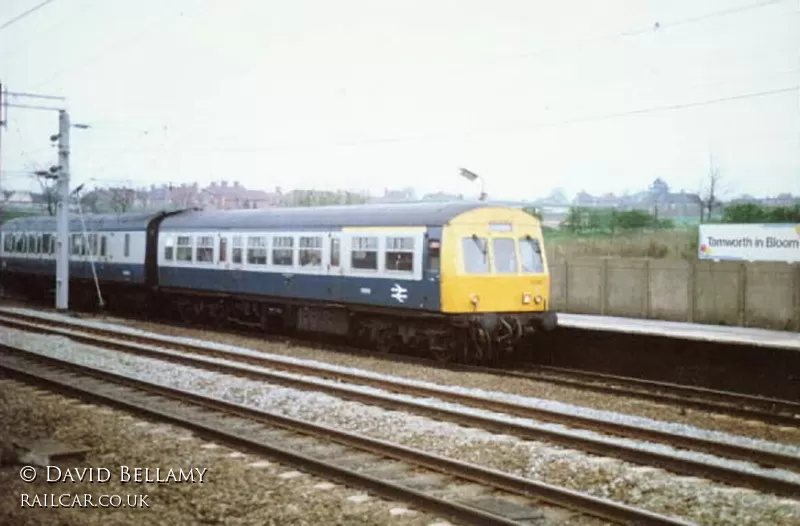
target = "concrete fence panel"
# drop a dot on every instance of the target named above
(627, 287)
(671, 290)
(769, 297)
(761, 294)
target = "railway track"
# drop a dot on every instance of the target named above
(242, 364)
(430, 482)
(764, 409)
(738, 405)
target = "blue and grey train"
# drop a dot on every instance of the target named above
(464, 281)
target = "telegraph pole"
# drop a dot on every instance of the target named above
(62, 258)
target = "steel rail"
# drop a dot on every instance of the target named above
(728, 475)
(739, 405)
(562, 497)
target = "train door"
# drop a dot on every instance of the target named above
(222, 261)
(335, 265)
(236, 265)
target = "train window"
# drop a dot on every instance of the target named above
(434, 255)
(92, 249)
(400, 254)
(8, 243)
(475, 254)
(52, 243)
(31, 244)
(204, 253)
(183, 249)
(505, 255)
(335, 248)
(223, 249)
(45, 243)
(169, 249)
(530, 253)
(76, 244)
(128, 245)
(103, 246)
(20, 238)
(364, 254)
(236, 251)
(257, 250)
(39, 244)
(310, 252)
(283, 251)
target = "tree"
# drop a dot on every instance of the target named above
(121, 199)
(710, 192)
(49, 194)
(534, 212)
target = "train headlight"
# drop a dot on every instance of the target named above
(537, 300)
(475, 299)
(526, 298)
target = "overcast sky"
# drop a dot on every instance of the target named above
(366, 94)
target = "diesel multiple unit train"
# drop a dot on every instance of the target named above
(462, 281)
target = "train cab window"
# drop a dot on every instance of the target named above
(364, 255)
(335, 251)
(476, 255)
(204, 253)
(399, 254)
(257, 250)
(530, 253)
(283, 251)
(103, 246)
(505, 255)
(236, 251)
(310, 254)
(169, 249)
(183, 249)
(223, 249)
(434, 255)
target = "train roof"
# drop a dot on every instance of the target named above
(391, 214)
(129, 221)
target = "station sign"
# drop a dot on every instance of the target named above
(750, 242)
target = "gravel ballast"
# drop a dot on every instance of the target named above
(238, 489)
(655, 489)
(440, 376)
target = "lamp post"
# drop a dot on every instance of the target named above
(472, 176)
(62, 176)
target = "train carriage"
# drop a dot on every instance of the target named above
(464, 280)
(110, 247)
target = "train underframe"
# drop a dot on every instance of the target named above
(459, 338)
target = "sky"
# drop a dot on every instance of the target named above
(367, 94)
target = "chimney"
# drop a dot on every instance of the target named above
(213, 184)
(224, 184)
(236, 184)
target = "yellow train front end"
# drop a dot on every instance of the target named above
(494, 276)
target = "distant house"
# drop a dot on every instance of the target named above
(395, 196)
(21, 200)
(441, 196)
(224, 196)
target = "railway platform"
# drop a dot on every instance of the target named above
(685, 331)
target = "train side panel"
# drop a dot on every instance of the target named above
(366, 266)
